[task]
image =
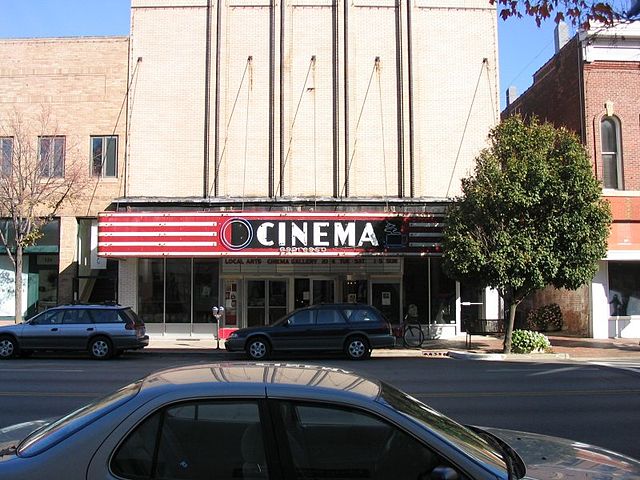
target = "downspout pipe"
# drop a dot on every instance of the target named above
(410, 80)
(399, 99)
(347, 125)
(336, 103)
(216, 120)
(207, 104)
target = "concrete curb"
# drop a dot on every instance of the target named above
(511, 357)
(475, 356)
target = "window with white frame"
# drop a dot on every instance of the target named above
(611, 156)
(51, 156)
(6, 155)
(104, 156)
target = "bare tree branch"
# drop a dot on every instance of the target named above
(43, 176)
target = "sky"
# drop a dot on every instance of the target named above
(522, 47)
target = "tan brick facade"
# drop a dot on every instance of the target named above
(80, 84)
(292, 85)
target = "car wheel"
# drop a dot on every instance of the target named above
(357, 348)
(258, 348)
(100, 348)
(8, 347)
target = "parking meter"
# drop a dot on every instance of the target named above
(218, 312)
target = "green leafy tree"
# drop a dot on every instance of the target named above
(531, 215)
(580, 13)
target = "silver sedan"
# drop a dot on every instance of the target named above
(282, 421)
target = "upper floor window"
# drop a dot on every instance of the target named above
(6, 155)
(104, 156)
(611, 156)
(52, 152)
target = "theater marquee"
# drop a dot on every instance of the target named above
(241, 234)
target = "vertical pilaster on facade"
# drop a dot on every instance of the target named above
(128, 283)
(68, 266)
(599, 303)
(407, 87)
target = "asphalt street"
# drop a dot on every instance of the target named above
(592, 402)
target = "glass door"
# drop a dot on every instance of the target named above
(470, 303)
(277, 305)
(323, 291)
(311, 291)
(256, 302)
(266, 301)
(385, 296)
(355, 291)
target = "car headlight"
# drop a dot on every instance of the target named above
(233, 335)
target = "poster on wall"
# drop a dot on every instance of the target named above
(386, 299)
(8, 289)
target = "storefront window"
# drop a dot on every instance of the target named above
(151, 290)
(624, 288)
(205, 289)
(443, 294)
(190, 284)
(178, 291)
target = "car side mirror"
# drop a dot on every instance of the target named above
(444, 473)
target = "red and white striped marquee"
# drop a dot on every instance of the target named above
(245, 234)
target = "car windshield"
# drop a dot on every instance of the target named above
(46, 437)
(462, 437)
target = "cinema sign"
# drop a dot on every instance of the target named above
(202, 234)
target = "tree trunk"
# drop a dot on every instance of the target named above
(509, 329)
(18, 294)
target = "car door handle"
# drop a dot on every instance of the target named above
(54, 329)
(91, 329)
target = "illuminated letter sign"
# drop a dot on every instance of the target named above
(202, 234)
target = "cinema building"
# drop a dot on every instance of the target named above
(286, 154)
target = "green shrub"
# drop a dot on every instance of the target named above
(526, 341)
(547, 318)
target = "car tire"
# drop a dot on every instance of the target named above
(258, 348)
(8, 347)
(100, 348)
(357, 348)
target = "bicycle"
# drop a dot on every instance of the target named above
(412, 335)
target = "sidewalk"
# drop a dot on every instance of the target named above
(563, 347)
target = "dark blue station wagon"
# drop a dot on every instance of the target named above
(338, 327)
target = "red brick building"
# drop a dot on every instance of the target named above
(591, 86)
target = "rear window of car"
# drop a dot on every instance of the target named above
(105, 316)
(362, 315)
(329, 316)
(129, 316)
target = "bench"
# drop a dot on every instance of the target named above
(482, 326)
